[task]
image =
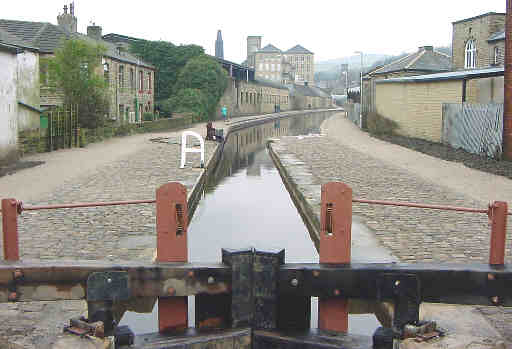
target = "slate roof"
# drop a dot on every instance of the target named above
(48, 37)
(270, 83)
(497, 36)
(270, 48)
(8, 39)
(299, 49)
(454, 75)
(301, 90)
(44, 36)
(479, 16)
(424, 60)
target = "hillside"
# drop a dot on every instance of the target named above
(352, 61)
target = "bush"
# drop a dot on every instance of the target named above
(148, 117)
(124, 129)
(379, 125)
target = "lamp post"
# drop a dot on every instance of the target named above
(361, 90)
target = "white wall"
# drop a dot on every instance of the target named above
(8, 106)
(28, 90)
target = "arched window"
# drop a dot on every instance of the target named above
(470, 55)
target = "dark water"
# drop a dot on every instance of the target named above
(246, 204)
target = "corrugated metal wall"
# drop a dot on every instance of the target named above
(476, 128)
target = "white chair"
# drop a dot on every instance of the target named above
(185, 150)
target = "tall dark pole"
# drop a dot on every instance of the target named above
(507, 115)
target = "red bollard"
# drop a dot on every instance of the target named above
(171, 228)
(335, 246)
(498, 214)
(10, 229)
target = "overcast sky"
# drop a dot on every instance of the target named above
(331, 29)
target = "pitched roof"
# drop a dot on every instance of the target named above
(299, 49)
(454, 75)
(49, 37)
(497, 36)
(113, 37)
(8, 39)
(479, 16)
(425, 60)
(44, 36)
(270, 48)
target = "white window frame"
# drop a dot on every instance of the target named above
(496, 55)
(470, 55)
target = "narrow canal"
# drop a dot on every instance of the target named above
(246, 204)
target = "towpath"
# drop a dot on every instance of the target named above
(379, 170)
(126, 168)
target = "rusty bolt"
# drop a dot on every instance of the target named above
(18, 274)
(190, 274)
(171, 291)
(316, 273)
(336, 292)
(211, 280)
(13, 296)
(491, 276)
(495, 300)
(294, 282)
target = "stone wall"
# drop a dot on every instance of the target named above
(417, 107)
(479, 29)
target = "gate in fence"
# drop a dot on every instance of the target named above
(63, 129)
(253, 298)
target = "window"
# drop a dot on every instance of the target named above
(149, 81)
(496, 55)
(278, 66)
(132, 79)
(121, 76)
(470, 55)
(141, 81)
(273, 67)
(266, 67)
(261, 66)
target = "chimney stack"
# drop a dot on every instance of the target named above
(94, 31)
(67, 20)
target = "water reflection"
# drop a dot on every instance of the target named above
(246, 204)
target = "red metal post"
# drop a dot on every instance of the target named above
(498, 215)
(171, 228)
(335, 246)
(10, 229)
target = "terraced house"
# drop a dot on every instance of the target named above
(130, 79)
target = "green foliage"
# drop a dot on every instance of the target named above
(74, 71)
(168, 59)
(148, 117)
(165, 108)
(379, 125)
(200, 85)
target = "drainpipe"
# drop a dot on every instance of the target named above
(507, 114)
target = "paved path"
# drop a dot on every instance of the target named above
(379, 170)
(127, 168)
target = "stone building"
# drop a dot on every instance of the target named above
(131, 80)
(478, 42)
(295, 65)
(424, 61)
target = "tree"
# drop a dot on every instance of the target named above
(75, 71)
(206, 80)
(168, 60)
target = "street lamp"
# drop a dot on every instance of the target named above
(361, 90)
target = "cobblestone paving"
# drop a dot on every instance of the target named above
(115, 233)
(412, 235)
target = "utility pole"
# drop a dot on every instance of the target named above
(361, 90)
(507, 113)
